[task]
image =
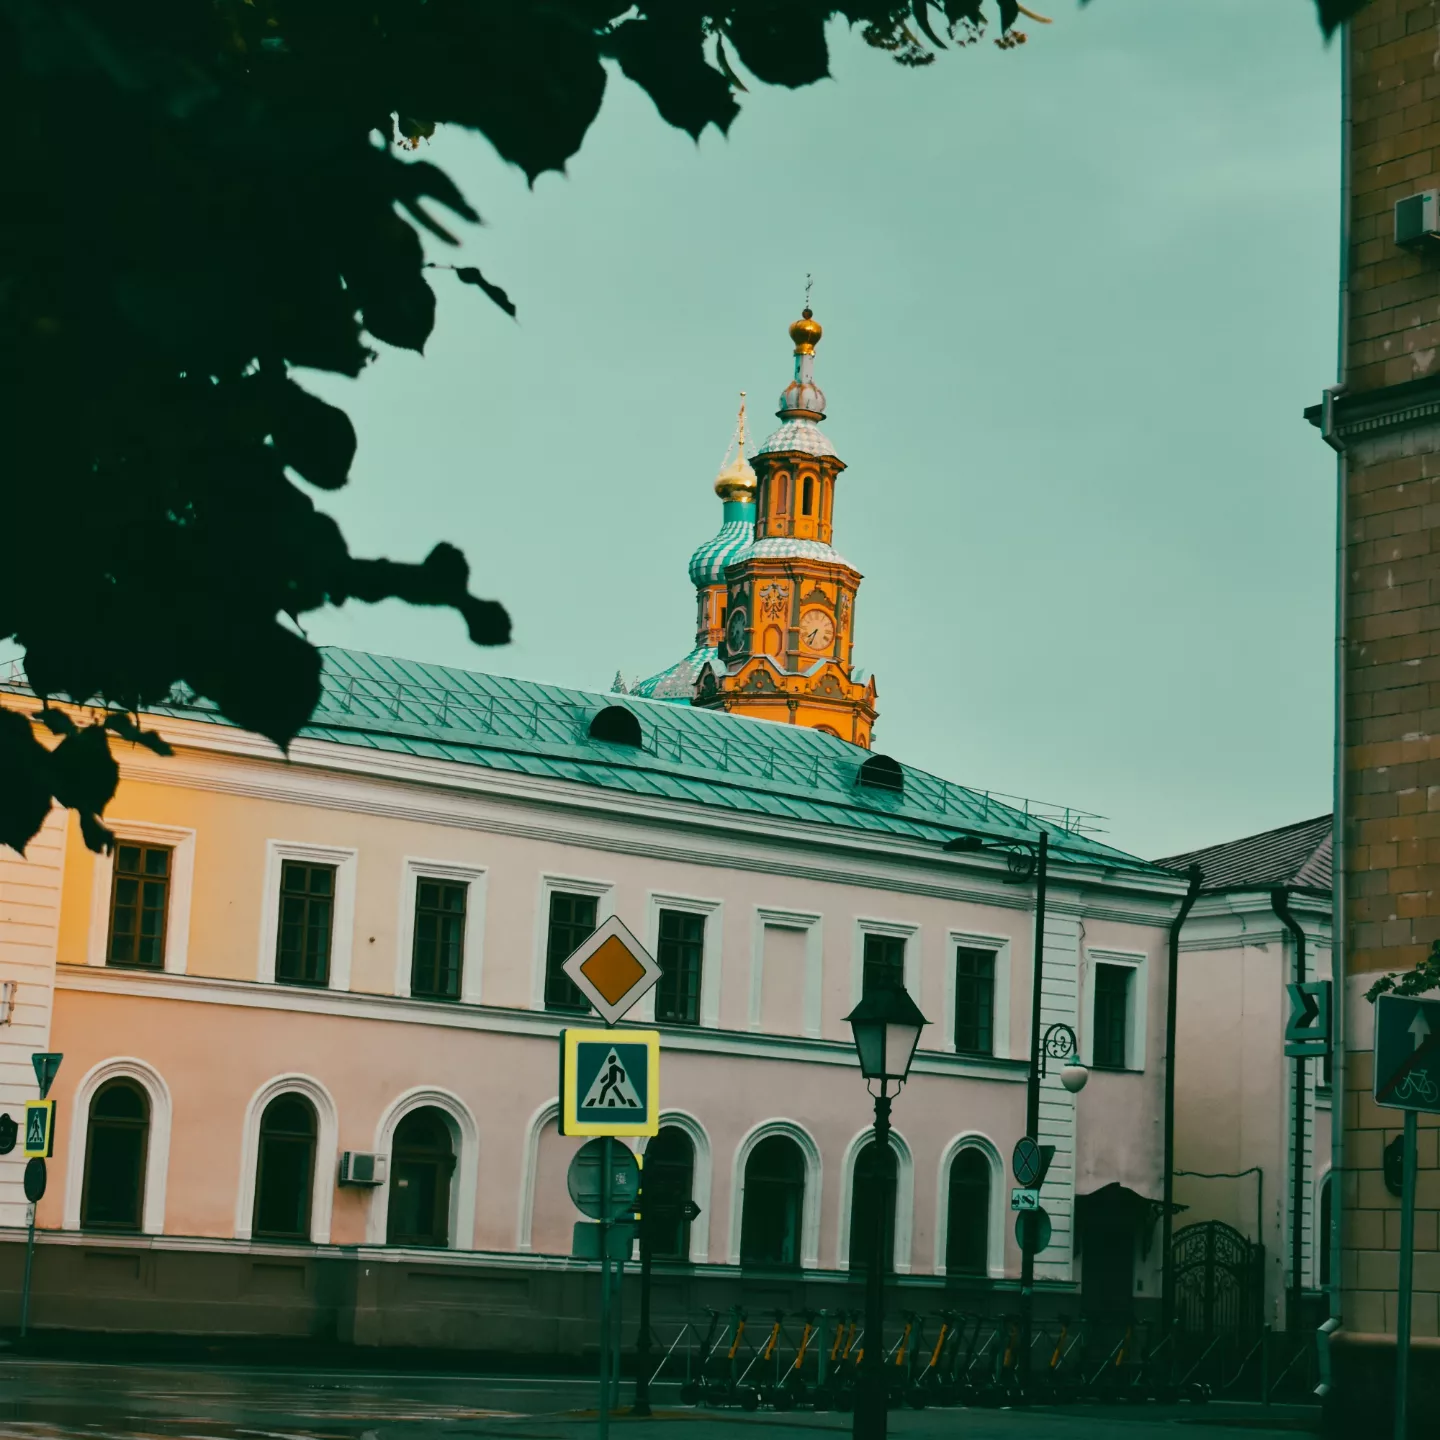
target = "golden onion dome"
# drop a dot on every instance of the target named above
(736, 481)
(806, 332)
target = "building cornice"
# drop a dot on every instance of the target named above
(1388, 408)
(494, 1019)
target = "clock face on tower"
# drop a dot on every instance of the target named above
(817, 630)
(735, 632)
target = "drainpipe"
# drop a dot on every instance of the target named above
(1280, 903)
(1172, 1000)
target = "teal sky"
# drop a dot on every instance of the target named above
(1075, 297)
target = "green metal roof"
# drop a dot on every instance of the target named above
(703, 757)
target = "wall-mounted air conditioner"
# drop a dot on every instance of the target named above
(1417, 219)
(363, 1167)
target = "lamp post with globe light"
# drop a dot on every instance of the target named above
(886, 1025)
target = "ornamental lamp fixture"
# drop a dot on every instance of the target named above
(1073, 1078)
(887, 1025)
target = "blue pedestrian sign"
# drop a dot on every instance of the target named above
(609, 1082)
(1407, 1053)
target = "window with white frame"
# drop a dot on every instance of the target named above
(1114, 1016)
(974, 1000)
(308, 915)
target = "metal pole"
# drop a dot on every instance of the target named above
(605, 1172)
(1032, 1098)
(641, 1406)
(1280, 903)
(1407, 1283)
(29, 1262)
(872, 1402)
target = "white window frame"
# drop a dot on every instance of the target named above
(999, 946)
(809, 922)
(896, 929)
(999, 1211)
(1135, 1022)
(701, 1180)
(904, 1199)
(413, 870)
(177, 902)
(464, 1136)
(342, 930)
(157, 1154)
(712, 911)
(322, 1195)
(814, 1178)
(604, 893)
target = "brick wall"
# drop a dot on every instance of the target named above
(1391, 801)
(1395, 151)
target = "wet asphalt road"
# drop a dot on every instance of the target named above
(62, 1400)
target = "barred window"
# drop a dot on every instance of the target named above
(681, 951)
(307, 917)
(139, 899)
(439, 945)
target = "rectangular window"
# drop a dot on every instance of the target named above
(680, 951)
(1112, 1016)
(307, 918)
(884, 962)
(139, 898)
(439, 938)
(572, 919)
(974, 1001)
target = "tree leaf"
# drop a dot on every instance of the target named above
(315, 439)
(25, 786)
(921, 10)
(471, 276)
(782, 42)
(663, 52)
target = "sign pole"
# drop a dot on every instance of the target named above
(29, 1262)
(1407, 1281)
(605, 1290)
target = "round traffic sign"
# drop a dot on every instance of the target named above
(1033, 1230)
(9, 1130)
(35, 1180)
(1025, 1161)
(586, 1179)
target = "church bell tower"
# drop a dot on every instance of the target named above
(786, 653)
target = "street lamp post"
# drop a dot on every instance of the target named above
(886, 1025)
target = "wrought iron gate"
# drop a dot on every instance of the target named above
(1218, 1280)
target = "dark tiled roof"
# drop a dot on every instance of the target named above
(1297, 856)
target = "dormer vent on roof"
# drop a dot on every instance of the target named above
(617, 726)
(880, 772)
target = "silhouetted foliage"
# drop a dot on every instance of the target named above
(201, 195)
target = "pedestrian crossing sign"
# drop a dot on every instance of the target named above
(609, 1082)
(40, 1128)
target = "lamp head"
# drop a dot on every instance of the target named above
(886, 1025)
(1073, 1078)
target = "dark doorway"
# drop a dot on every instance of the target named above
(774, 1204)
(669, 1181)
(285, 1169)
(967, 1226)
(116, 1142)
(873, 1185)
(422, 1160)
(1107, 1240)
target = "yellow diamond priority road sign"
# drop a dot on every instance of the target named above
(612, 970)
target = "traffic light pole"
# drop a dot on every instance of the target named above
(1032, 1100)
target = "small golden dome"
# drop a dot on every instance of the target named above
(736, 481)
(806, 333)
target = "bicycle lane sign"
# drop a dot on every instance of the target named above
(1407, 1053)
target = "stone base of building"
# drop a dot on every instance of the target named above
(1362, 1395)
(541, 1309)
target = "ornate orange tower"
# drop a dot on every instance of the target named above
(790, 609)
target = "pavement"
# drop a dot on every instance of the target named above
(71, 1400)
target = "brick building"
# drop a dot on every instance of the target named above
(1383, 419)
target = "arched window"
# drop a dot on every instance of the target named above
(782, 494)
(774, 1203)
(116, 1141)
(422, 1160)
(967, 1232)
(872, 1184)
(285, 1169)
(668, 1181)
(807, 495)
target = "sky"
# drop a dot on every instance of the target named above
(1075, 298)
